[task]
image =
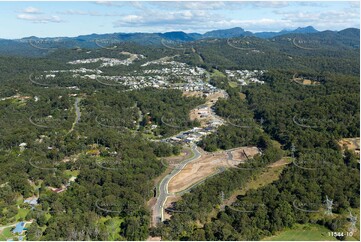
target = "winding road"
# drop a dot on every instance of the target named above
(158, 208)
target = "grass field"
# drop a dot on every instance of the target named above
(267, 176)
(70, 173)
(22, 212)
(113, 227)
(303, 232)
(233, 84)
(6, 233)
(242, 96)
(217, 73)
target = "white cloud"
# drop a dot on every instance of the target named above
(217, 5)
(31, 10)
(186, 5)
(205, 20)
(173, 18)
(39, 19)
(196, 21)
(270, 4)
(342, 18)
(109, 3)
(89, 13)
(354, 4)
(34, 15)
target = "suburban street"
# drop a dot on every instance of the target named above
(158, 208)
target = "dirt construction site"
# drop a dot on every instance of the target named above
(204, 114)
(207, 165)
(202, 168)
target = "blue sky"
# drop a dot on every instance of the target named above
(51, 19)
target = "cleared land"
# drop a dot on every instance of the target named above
(208, 165)
(204, 115)
(233, 84)
(6, 234)
(306, 82)
(176, 159)
(150, 238)
(193, 94)
(351, 144)
(270, 174)
(303, 232)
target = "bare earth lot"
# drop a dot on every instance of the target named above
(204, 115)
(206, 166)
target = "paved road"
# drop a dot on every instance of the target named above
(163, 194)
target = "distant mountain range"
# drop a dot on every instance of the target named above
(237, 32)
(34, 46)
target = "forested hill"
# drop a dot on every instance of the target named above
(37, 47)
(320, 53)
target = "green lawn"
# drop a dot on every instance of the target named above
(22, 212)
(304, 232)
(233, 84)
(113, 227)
(6, 233)
(217, 73)
(70, 173)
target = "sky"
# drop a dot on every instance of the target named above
(56, 19)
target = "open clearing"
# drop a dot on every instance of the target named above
(204, 114)
(270, 174)
(6, 234)
(207, 165)
(303, 232)
(351, 144)
(193, 94)
(242, 96)
(306, 82)
(176, 159)
(233, 84)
